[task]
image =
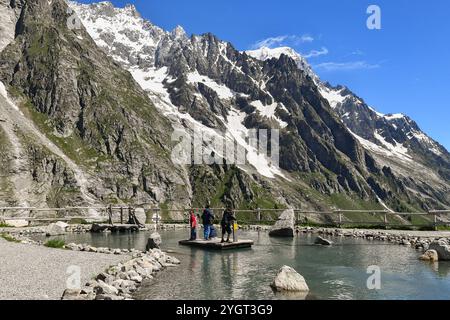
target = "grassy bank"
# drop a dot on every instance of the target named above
(8, 238)
(55, 243)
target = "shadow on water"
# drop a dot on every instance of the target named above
(337, 272)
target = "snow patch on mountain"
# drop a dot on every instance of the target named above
(121, 32)
(268, 111)
(423, 138)
(222, 91)
(152, 79)
(237, 131)
(396, 148)
(7, 25)
(379, 114)
(334, 97)
(398, 151)
(394, 116)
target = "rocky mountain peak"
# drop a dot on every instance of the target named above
(266, 53)
(178, 33)
(131, 10)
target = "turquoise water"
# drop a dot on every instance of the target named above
(338, 272)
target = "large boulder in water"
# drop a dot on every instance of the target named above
(442, 248)
(57, 229)
(430, 255)
(140, 216)
(289, 280)
(323, 242)
(154, 242)
(284, 227)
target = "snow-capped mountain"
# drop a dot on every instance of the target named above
(181, 61)
(266, 53)
(146, 51)
(131, 84)
(394, 138)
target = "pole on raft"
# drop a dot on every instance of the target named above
(189, 223)
(235, 228)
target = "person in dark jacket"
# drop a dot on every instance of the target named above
(227, 223)
(207, 220)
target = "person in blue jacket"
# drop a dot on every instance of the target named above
(208, 221)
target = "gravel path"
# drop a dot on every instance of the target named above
(29, 272)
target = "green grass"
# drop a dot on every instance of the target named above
(56, 243)
(6, 186)
(8, 238)
(163, 212)
(78, 221)
(74, 147)
(5, 225)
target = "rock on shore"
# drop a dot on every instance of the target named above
(121, 281)
(154, 241)
(57, 229)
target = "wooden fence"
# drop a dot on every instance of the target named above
(121, 214)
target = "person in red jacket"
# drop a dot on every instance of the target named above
(193, 224)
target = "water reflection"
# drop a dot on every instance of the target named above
(442, 269)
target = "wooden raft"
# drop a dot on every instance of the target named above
(215, 244)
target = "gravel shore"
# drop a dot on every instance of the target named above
(29, 272)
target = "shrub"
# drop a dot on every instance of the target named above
(56, 243)
(4, 225)
(8, 237)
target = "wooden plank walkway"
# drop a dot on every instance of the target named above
(215, 244)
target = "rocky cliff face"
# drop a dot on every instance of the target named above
(79, 111)
(110, 128)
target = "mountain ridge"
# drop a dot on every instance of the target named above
(134, 80)
(212, 38)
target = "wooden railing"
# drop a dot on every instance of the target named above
(122, 214)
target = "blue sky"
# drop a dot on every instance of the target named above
(404, 67)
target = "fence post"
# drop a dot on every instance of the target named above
(156, 217)
(129, 214)
(435, 222)
(259, 215)
(385, 220)
(121, 215)
(340, 220)
(31, 216)
(110, 214)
